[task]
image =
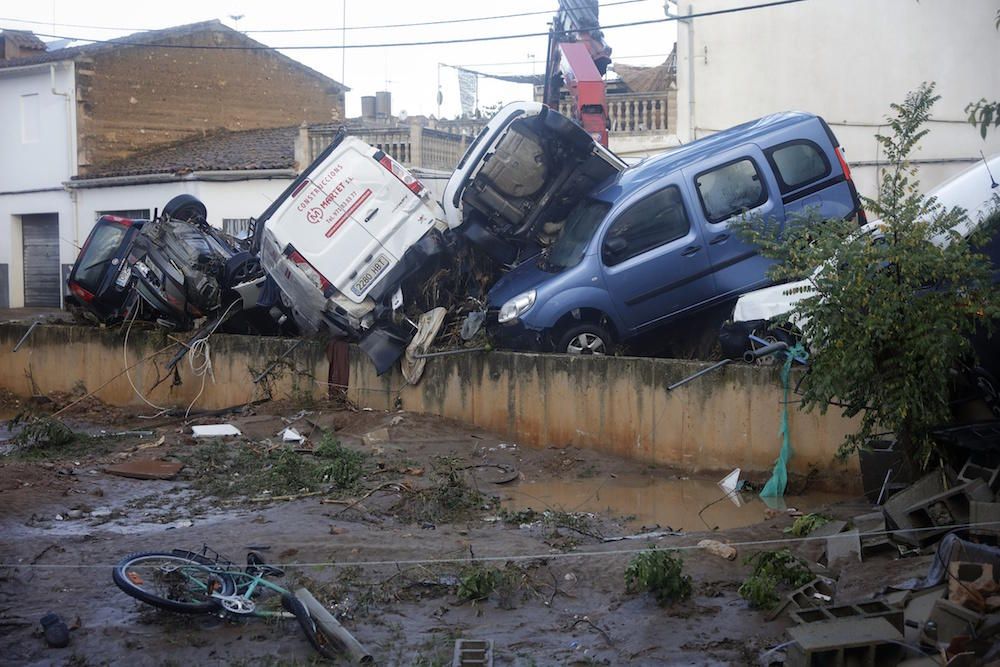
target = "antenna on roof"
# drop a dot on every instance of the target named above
(994, 185)
(236, 19)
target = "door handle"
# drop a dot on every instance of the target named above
(372, 214)
(718, 239)
(690, 250)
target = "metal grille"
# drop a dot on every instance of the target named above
(236, 227)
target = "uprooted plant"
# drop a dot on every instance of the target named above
(254, 469)
(449, 498)
(806, 524)
(660, 573)
(770, 570)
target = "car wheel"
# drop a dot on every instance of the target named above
(586, 339)
(241, 268)
(186, 208)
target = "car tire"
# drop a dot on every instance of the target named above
(586, 339)
(240, 268)
(772, 335)
(186, 208)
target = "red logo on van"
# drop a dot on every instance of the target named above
(314, 215)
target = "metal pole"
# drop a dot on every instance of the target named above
(703, 371)
(26, 334)
(448, 353)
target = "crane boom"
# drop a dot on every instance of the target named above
(578, 57)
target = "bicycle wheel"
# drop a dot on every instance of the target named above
(172, 582)
(320, 641)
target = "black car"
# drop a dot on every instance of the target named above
(185, 269)
(100, 283)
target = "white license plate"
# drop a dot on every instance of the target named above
(373, 271)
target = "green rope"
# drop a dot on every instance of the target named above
(775, 486)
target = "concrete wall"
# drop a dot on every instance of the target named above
(845, 60)
(612, 404)
(618, 405)
(69, 359)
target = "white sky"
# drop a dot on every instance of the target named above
(410, 73)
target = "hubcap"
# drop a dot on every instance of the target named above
(586, 343)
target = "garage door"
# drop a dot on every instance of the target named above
(40, 236)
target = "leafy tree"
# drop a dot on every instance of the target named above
(887, 314)
(984, 112)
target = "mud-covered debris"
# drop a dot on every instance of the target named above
(146, 469)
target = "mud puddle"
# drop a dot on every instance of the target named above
(648, 501)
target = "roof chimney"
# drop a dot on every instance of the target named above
(19, 44)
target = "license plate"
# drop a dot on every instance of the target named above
(123, 276)
(374, 270)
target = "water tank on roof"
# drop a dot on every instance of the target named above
(383, 104)
(368, 107)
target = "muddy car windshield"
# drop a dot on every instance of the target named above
(581, 224)
(103, 247)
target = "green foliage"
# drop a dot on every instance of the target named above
(660, 573)
(806, 524)
(43, 433)
(887, 313)
(228, 470)
(984, 114)
(341, 466)
(476, 582)
(770, 569)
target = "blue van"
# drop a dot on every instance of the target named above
(652, 243)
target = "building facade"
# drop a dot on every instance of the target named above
(847, 61)
(67, 114)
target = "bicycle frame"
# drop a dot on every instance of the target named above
(241, 602)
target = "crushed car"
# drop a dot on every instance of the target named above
(100, 282)
(599, 253)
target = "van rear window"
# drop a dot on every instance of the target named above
(730, 189)
(798, 163)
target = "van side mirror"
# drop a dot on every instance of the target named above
(616, 245)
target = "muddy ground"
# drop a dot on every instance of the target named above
(384, 540)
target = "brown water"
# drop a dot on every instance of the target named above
(652, 500)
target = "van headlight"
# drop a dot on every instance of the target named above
(517, 306)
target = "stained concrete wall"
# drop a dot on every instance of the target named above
(71, 359)
(617, 405)
(722, 420)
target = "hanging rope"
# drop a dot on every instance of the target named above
(775, 486)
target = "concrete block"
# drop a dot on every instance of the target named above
(873, 609)
(949, 621)
(864, 642)
(918, 610)
(935, 515)
(984, 518)
(843, 548)
(895, 508)
(971, 471)
(816, 593)
(473, 653)
(970, 584)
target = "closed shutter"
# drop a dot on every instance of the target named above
(40, 236)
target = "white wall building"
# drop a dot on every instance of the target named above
(847, 61)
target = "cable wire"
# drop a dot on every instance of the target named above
(339, 29)
(435, 42)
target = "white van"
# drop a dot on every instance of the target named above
(343, 237)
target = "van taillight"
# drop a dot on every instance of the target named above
(400, 172)
(81, 293)
(843, 163)
(862, 217)
(315, 277)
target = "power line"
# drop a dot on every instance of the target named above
(341, 28)
(436, 42)
(531, 62)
